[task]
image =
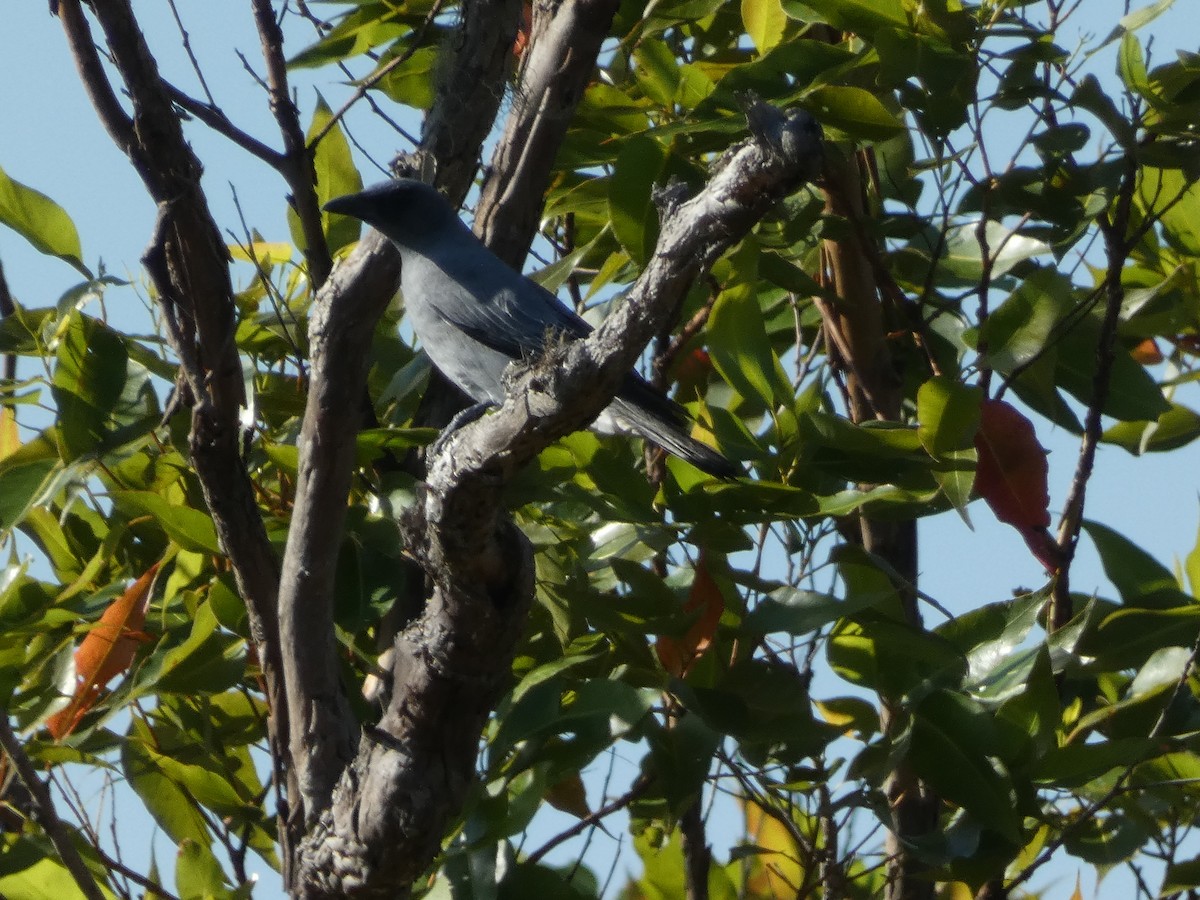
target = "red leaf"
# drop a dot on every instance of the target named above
(1012, 473)
(677, 655)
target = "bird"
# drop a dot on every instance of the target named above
(474, 315)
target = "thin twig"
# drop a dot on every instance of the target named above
(639, 787)
(379, 74)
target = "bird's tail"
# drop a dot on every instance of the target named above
(664, 423)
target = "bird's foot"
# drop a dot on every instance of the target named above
(462, 418)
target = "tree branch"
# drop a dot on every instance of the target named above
(558, 64)
(1114, 229)
(298, 169)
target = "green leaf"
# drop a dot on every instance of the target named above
(164, 799)
(1019, 328)
(88, 383)
(860, 16)
(1107, 840)
(1006, 248)
(853, 110)
(1035, 712)
(1128, 637)
(1175, 428)
(24, 485)
(1131, 65)
(741, 350)
(631, 210)
(210, 661)
(40, 221)
(32, 873)
(1181, 878)
(198, 875)
(1133, 394)
(681, 757)
(657, 71)
(411, 83)
(764, 21)
(952, 741)
(797, 612)
(190, 528)
(336, 174)
(1141, 579)
(947, 415)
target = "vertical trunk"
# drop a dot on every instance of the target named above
(856, 330)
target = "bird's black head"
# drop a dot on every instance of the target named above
(404, 209)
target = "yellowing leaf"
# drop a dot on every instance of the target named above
(10, 438)
(267, 253)
(778, 872)
(764, 21)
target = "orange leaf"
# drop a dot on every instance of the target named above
(106, 651)
(521, 41)
(678, 654)
(1147, 353)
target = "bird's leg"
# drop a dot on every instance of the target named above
(462, 417)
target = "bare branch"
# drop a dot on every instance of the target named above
(558, 64)
(298, 169)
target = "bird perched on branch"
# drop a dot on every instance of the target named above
(474, 315)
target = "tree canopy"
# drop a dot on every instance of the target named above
(244, 585)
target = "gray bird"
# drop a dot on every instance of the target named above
(474, 315)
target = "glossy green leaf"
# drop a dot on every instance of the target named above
(40, 221)
(1006, 247)
(741, 350)
(1020, 327)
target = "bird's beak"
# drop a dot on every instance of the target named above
(349, 205)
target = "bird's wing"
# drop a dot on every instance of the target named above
(512, 318)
